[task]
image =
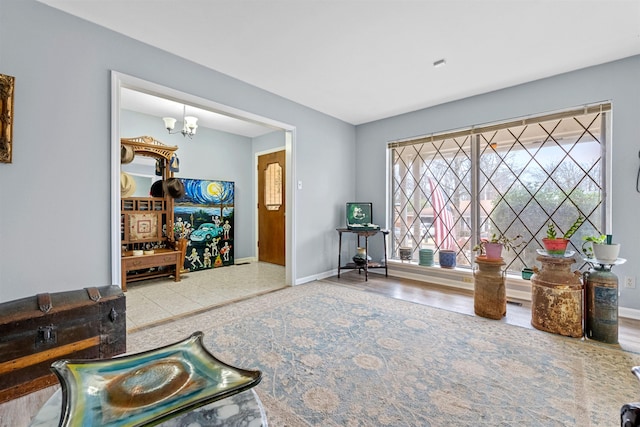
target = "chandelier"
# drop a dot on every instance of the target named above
(189, 124)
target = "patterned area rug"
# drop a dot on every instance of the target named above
(335, 356)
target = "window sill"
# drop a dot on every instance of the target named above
(459, 277)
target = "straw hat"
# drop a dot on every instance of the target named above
(127, 185)
(126, 154)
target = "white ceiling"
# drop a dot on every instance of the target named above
(161, 107)
(364, 60)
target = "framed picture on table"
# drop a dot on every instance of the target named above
(359, 215)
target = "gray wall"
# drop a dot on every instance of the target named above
(618, 81)
(268, 142)
(55, 196)
(211, 154)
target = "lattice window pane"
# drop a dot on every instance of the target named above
(431, 193)
(528, 174)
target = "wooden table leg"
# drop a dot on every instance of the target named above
(366, 258)
(178, 268)
(384, 238)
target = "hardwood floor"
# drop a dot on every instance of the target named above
(461, 301)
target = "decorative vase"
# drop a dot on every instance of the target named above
(527, 273)
(447, 258)
(604, 252)
(555, 247)
(493, 250)
(361, 257)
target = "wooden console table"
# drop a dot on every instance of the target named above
(366, 234)
(161, 257)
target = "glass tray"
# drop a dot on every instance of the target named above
(146, 388)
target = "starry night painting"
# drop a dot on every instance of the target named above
(204, 216)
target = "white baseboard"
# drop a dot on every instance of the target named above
(314, 277)
(245, 260)
(629, 313)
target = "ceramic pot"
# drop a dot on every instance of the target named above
(604, 252)
(493, 250)
(447, 258)
(527, 273)
(426, 257)
(405, 254)
(555, 247)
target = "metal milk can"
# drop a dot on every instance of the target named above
(556, 297)
(601, 304)
(490, 294)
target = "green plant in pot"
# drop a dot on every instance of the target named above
(557, 246)
(600, 248)
(492, 248)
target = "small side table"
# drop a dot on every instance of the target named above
(366, 234)
(489, 288)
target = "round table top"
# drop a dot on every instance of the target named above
(242, 409)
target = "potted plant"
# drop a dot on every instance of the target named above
(492, 248)
(556, 246)
(601, 248)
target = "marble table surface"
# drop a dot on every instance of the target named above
(240, 410)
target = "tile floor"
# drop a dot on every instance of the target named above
(156, 300)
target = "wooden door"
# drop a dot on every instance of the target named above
(271, 204)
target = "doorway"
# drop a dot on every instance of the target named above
(119, 81)
(271, 207)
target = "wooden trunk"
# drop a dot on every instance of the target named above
(35, 331)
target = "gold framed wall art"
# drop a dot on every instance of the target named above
(7, 84)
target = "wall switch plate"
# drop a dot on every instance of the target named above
(630, 282)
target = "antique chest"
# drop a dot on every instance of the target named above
(85, 324)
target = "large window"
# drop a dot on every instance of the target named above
(451, 190)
